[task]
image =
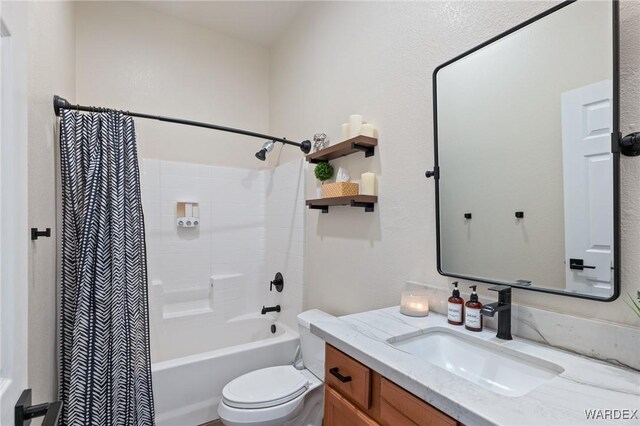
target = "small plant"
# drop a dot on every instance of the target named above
(323, 171)
(635, 305)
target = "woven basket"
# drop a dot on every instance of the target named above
(339, 189)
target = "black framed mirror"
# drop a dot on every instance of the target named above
(527, 150)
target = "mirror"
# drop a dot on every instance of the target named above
(526, 180)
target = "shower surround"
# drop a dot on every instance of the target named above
(251, 226)
(208, 284)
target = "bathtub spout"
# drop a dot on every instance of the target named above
(270, 309)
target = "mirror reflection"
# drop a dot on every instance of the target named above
(526, 186)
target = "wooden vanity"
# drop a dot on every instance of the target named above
(355, 395)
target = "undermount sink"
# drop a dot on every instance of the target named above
(501, 370)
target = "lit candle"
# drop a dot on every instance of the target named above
(355, 123)
(368, 184)
(345, 131)
(414, 304)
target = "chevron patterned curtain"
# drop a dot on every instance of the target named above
(105, 365)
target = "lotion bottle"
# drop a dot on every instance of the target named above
(455, 311)
(473, 317)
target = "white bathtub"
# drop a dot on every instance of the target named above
(187, 390)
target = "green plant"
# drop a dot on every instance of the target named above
(323, 171)
(635, 305)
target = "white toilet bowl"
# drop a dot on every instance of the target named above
(273, 396)
(282, 395)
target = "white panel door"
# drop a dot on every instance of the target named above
(587, 117)
(13, 208)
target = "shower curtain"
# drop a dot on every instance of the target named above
(105, 365)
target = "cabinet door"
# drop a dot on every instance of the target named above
(348, 376)
(400, 408)
(340, 412)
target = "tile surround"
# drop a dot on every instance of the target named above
(252, 226)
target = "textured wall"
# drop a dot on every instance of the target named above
(136, 58)
(51, 54)
(377, 59)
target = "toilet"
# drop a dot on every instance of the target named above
(281, 395)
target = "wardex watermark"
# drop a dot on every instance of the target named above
(610, 414)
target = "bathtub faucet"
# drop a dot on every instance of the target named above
(270, 309)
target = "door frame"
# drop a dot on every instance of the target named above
(14, 240)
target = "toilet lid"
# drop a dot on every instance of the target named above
(264, 388)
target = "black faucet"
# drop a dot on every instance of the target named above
(270, 309)
(503, 308)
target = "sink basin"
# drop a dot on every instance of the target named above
(498, 369)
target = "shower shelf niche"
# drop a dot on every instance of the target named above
(356, 144)
(366, 201)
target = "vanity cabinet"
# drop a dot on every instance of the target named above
(355, 395)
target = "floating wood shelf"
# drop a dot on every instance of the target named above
(366, 201)
(350, 146)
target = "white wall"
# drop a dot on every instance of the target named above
(138, 59)
(377, 59)
(51, 71)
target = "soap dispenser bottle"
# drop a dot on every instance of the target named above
(455, 311)
(473, 318)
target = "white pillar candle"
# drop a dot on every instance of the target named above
(345, 131)
(367, 129)
(355, 123)
(415, 304)
(368, 184)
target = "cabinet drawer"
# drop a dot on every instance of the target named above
(400, 408)
(340, 412)
(348, 377)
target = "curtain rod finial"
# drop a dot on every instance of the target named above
(59, 103)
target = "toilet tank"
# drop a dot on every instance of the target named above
(311, 345)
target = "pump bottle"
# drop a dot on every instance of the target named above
(473, 318)
(455, 311)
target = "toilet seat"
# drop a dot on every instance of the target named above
(264, 388)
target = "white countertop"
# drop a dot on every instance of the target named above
(585, 384)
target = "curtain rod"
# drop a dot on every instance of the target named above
(61, 103)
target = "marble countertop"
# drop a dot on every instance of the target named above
(585, 384)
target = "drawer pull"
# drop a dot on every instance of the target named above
(336, 372)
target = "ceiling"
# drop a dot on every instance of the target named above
(260, 22)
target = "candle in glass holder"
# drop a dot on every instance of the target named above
(414, 304)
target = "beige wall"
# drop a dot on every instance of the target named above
(135, 58)
(377, 59)
(51, 53)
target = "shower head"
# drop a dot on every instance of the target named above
(266, 148)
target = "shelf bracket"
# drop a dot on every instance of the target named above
(325, 209)
(368, 207)
(369, 151)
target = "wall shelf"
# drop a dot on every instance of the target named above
(365, 201)
(360, 143)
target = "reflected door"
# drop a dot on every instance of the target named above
(588, 188)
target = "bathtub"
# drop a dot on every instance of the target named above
(187, 390)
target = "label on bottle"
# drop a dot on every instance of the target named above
(472, 320)
(455, 312)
